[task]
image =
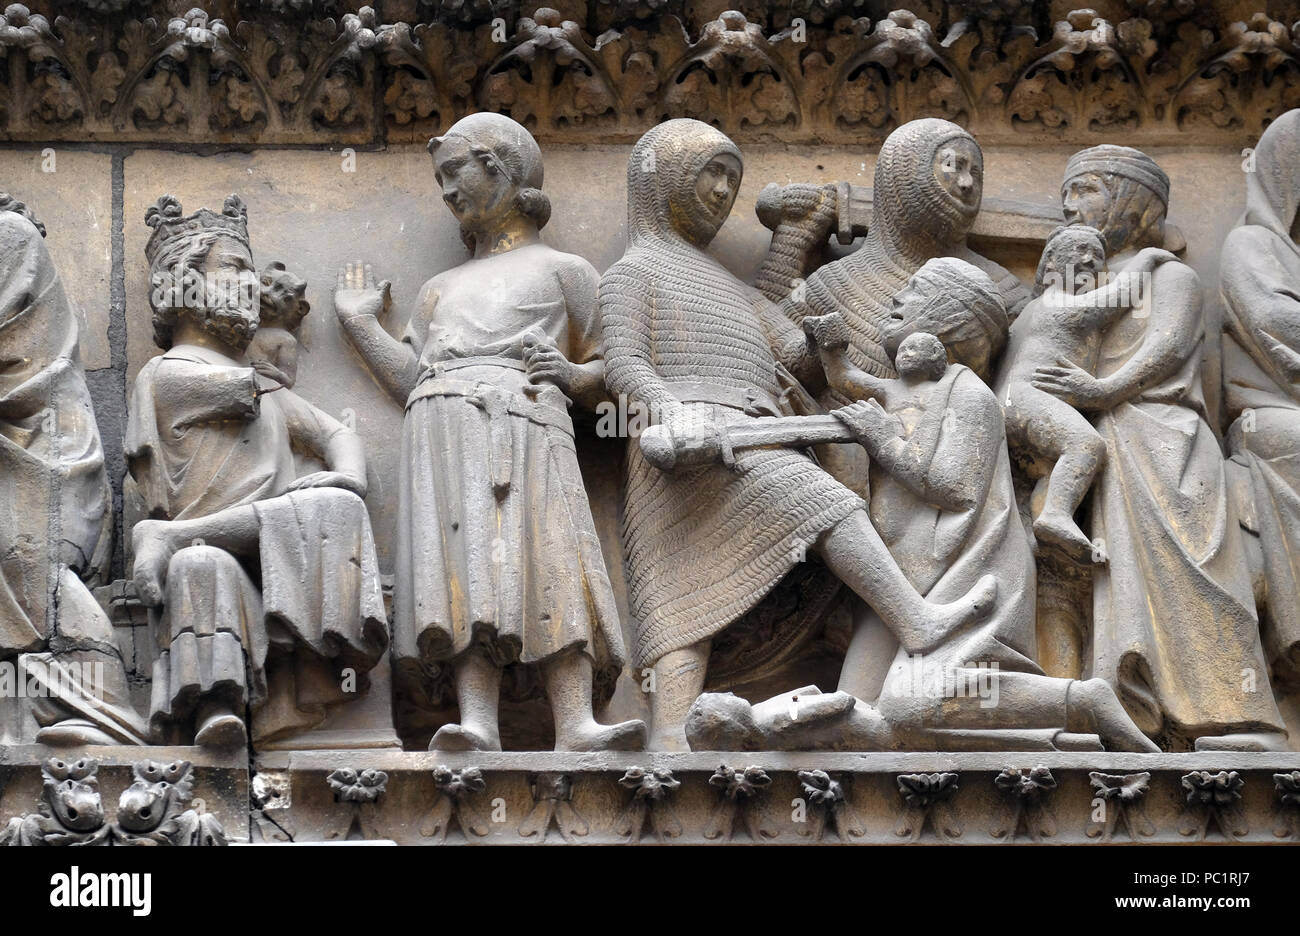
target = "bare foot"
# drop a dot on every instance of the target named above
(593, 736)
(461, 738)
(1062, 531)
(944, 619)
(73, 732)
(153, 549)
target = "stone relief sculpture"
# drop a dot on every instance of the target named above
(928, 187)
(929, 181)
(943, 502)
(498, 562)
(275, 346)
(55, 514)
(1062, 324)
(703, 353)
(1261, 378)
(917, 507)
(1174, 623)
(265, 585)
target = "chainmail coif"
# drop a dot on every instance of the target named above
(913, 219)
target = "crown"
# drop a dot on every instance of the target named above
(168, 223)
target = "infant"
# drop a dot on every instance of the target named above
(274, 349)
(1078, 300)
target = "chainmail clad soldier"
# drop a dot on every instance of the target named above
(265, 585)
(929, 182)
(697, 348)
(499, 568)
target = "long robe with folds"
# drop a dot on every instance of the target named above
(497, 548)
(54, 498)
(1174, 624)
(199, 441)
(1260, 280)
(934, 700)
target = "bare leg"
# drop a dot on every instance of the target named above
(155, 542)
(679, 680)
(859, 558)
(478, 694)
(871, 651)
(568, 684)
(1057, 430)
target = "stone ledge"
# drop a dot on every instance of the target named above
(793, 798)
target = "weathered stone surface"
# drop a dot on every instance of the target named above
(1047, 521)
(71, 192)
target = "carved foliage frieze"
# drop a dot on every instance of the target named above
(287, 73)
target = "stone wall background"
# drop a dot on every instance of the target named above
(307, 211)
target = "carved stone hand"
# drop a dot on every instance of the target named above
(1072, 384)
(356, 293)
(545, 363)
(327, 479)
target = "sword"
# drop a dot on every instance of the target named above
(667, 451)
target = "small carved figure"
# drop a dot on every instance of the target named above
(275, 347)
(1174, 623)
(211, 449)
(698, 349)
(55, 515)
(1076, 302)
(498, 562)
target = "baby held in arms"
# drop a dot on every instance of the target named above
(1078, 300)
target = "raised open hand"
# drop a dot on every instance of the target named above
(357, 294)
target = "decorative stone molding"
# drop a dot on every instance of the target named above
(284, 72)
(158, 808)
(583, 798)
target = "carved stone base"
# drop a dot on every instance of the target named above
(121, 796)
(780, 797)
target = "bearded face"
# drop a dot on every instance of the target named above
(231, 293)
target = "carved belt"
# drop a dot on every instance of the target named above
(438, 368)
(499, 405)
(748, 400)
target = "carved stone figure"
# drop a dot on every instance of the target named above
(275, 346)
(928, 187)
(697, 349)
(265, 585)
(1064, 323)
(943, 502)
(1261, 377)
(498, 562)
(929, 181)
(55, 514)
(1174, 624)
